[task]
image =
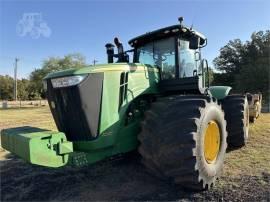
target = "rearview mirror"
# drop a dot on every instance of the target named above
(194, 42)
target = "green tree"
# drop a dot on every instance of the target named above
(230, 58)
(229, 62)
(23, 93)
(6, 87)
(255, 69)
(245, 66)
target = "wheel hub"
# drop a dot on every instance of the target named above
(211, 142)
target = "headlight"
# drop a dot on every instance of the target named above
(67, 81)
(44, 82)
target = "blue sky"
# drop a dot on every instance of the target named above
(85, 26)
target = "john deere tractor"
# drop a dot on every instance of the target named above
(159, 104)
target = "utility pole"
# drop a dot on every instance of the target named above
(94, 62)
(15, 78)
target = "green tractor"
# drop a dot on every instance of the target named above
(159, 104)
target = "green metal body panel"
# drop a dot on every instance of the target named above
(37, 146)
(115, 135)
(117, 132)
(219, 92)
(97, 68)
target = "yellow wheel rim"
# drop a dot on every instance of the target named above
(211, 142)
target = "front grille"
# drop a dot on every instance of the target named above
(76, 109)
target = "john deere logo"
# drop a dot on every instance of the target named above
(34, 25)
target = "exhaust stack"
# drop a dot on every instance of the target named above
(121, 55)
(110, 52)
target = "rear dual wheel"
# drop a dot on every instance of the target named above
(237, 117)
(183, 138)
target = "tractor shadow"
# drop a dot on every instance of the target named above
(121, 179)
(231, 149)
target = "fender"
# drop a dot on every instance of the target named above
(219, 92)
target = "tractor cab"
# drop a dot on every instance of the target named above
(175, 51)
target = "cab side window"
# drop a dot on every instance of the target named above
(187, 62)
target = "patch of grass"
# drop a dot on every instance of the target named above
(254, 158)
(247, 169)
(37, 117)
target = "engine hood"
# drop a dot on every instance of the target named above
(97, 69)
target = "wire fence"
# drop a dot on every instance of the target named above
(23, 104)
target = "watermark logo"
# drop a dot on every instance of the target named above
(34, 25)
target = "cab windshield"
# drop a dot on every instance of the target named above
(162, 54)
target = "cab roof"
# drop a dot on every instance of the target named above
(165, 32)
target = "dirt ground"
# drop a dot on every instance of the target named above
(246, 175)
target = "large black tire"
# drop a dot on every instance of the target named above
(237, 117)
(172, 140)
